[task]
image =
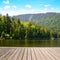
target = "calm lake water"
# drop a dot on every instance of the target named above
(30, 43)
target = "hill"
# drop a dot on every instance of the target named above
(11, 28)
(51, 20)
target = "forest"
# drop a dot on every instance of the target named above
(14, 28)
(51, 20)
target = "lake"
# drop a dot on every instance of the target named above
(29, 43)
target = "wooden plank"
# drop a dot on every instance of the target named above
(14, 55)
(33, 55)
(46, 54)
(37, 54)
(40, 55)
(25, 55)
(5, 56)
(3, 51)
(29, 53)
(54, 54)
(21, 54)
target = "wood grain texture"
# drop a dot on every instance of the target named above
(29, 53)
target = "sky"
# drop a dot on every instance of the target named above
(18, 7)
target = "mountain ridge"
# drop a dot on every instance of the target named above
(50, 19)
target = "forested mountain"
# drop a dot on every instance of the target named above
(14, 28)
(50, 20)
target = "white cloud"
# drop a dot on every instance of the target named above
(14, 6)
(11, 11)
(52, 8)
(6, 2)
(0, 8)
(23, 11)
(28, 6)
(7, 7)
(46, 5)
(45, 9)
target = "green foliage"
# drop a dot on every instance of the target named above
(51, 20)
(11, 28)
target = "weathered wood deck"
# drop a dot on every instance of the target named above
(29, 53)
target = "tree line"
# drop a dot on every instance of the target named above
(14, 28)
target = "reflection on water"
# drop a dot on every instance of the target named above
(30, 43)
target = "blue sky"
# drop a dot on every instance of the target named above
(17, 7)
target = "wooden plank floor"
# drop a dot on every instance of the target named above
(29, 53)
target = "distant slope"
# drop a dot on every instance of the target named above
(50, 20)
(26, 17)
